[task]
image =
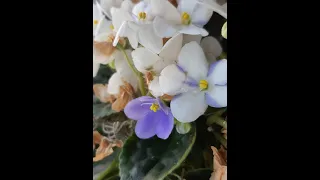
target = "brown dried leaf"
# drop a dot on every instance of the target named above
(165, 40)
(126, 94)
(105, 149)
(219, 164)
(135, 1)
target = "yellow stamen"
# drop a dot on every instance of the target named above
(185, 18)
(154, 107)
(111, 27)
(142, 15)
(95, 22)
(203, 85)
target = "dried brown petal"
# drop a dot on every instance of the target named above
(148, 77)
(135, 1)
(105, 48)
(166, 97)
(100, 91)
(219, 164)
(174, 3)
(165, 40)
(125, 95)
(97, 137)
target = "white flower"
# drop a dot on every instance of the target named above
(95, 68)
(97, 15)
(188, 18)
(103, 49)
(137, 26)
(106, 6)
(218, 6)
(147, 61)
(198, 84)
(211, 48)
(210, 45)
(124, 73)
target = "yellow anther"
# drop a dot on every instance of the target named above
(95, 22)
(111, 27)
(185, 18)
(203, 85)
(142, 15)
(154, 107)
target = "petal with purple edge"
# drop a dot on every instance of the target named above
(187, 107)
(217, 73)
(217, 96)
(146, 127)
(138, 108)
(165, 124)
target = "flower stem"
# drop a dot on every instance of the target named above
(217, 120)
(221, 139)
(135, 71)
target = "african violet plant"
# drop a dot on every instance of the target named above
(159, 90)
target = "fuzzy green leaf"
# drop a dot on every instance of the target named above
(154, 158)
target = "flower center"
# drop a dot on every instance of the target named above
(185, 18)
(111, 27)
(95, 22)
(203, 85)
(142, 15)
(154, 107)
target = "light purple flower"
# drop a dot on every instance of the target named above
(154, 118)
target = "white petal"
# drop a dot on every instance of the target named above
(166, 10)
(222, 10)
(171, 80)
(119, 16)
(148, 38)
(163, 28)
(171, 49)
(224, 30)
(193, 61)
(144, 60)
(188, 38)
(96, 17)
(95, 69)
(201, 15)
(154, 87)
(126, 31)
(218, 72)
(216, 96)
(211, 45)
(104, 26)
(127, 5)
(145, 7)
(193, 30)
(102, 37)
(187, 6)
(124, 69)
(107, 4)
(114, 83)
(187, 107)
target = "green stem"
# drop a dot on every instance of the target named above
(221, 139)
(217, 120)
(135, 71)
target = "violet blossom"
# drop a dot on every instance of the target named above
(153, 116)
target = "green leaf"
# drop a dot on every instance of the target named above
(199, 174)
(107, 167)
(103, 75)
(102, 110)
(154, 158)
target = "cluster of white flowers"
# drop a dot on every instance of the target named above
(165, 42)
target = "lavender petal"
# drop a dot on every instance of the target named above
(138, 108)
(146, 127)
(165, 124)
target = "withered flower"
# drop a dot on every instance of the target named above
(105, 147)
(219, 164)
